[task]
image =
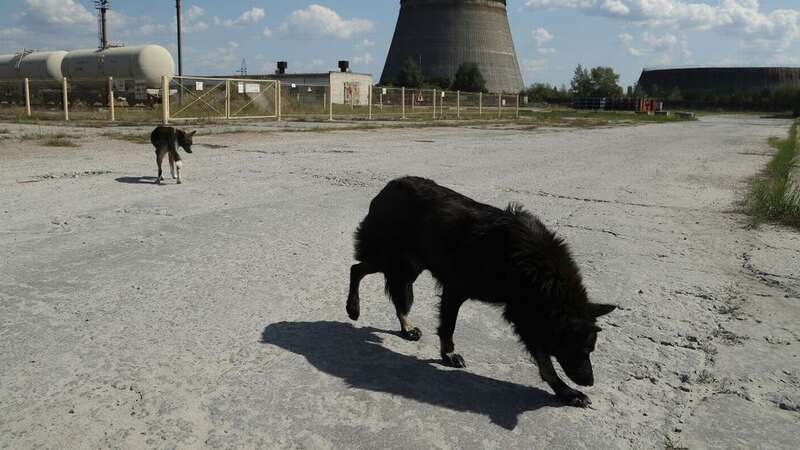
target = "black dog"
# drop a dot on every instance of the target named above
(506, 257)
(167, 141)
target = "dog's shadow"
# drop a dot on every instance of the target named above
(137, 180)
(356, 356)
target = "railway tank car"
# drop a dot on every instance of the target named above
(136, 71)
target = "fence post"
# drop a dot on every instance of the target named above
(27, 97)
(458, 105)
(330, 101)
(324, 100)
(480, 104)
(278, 100)
(403, 94)
(227, 99)
(165, 98)
(516, 115)
(434, 104)
(369, 99)
(499, 105)
(64, 87)
(111, 98)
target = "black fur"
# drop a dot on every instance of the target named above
(167, 141)
(476, 251)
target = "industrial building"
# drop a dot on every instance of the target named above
(345, 87)
(440, 35)
(721, 80)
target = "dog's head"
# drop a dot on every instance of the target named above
(185, 140)
(575, 341)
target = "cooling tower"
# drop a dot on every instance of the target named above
(440, 35)
(719, 79)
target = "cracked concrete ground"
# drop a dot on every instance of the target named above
(211, 314)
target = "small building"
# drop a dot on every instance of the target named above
(345, 87)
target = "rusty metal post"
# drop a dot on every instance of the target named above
(434, 104)
(27, 97)
(165, 99)
(65, 98)
(111, 98)
(369, 99)
(403, 93)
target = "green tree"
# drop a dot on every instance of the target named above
(605, 83)
(675, 95)
(410, 75)
(439, 82)
(581, 84)
(469, 78)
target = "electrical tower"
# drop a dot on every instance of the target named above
(102, 6)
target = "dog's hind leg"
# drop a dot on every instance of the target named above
(171, 165)
(159, 161)
(401, 291)
(448, 314)
(357, 273)
(174, 156)
(564, 393)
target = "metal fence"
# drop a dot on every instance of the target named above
(204, 98)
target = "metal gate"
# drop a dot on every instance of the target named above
(197, 98)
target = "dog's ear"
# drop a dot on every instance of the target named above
(600, 309)
(192, 133)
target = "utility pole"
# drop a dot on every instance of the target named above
(180, 55)
(103, 6)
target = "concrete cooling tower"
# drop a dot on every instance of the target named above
(440, 35)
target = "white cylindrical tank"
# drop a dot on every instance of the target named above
(147, 63)
(45, 66)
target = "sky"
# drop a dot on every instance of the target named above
(551, 36)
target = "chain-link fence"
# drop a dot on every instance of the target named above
(305, 101)
(205, 98)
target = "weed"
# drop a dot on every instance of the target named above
(58, 141)
(684, 378)
(705, 377)
(141, 138)
(773, 197)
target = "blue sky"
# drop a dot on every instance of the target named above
(551, 36)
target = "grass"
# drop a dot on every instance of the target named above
(141, 138)
(773, 197)
(50, 140)
(58, 141)
(705, 377)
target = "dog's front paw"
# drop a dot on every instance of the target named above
(453, 360)
(413, 334)
(575, 398)
(353, 310)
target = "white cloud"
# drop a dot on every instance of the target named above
(541, 36)
(224, 59)
(364, 59)
(252, 16)
(57, 12)
(530, 66)
(191, 20)
(267, 33)
(773, 31)
(317, 21)
(658, 49)
(546, 51)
